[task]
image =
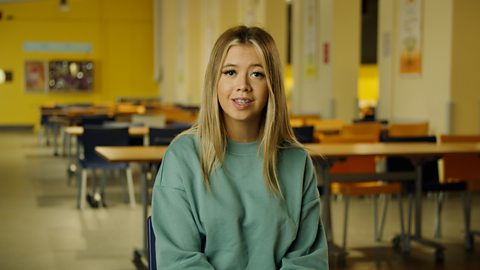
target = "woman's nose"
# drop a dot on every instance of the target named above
(243, 83)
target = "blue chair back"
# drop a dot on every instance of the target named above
(152, 260)
(102, 136)
(163, 136)
(99, 119)
(304, 134)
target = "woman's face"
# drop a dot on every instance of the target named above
(242, 87)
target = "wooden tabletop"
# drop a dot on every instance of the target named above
(391, 149)
(132, 153)
(155, 153)
(78, 130)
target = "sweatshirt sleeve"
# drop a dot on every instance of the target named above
(178, 239)
(309, 250)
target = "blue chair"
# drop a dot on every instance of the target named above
(304, 134)
(163, 136)
(97, 119)
(102, 136)
(152, 260)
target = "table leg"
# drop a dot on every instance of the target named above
(417, 237)
(140, 258)
(338, 254)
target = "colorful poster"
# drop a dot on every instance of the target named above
(410, 37)
(35, 76)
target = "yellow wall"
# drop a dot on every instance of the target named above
(120, 33)
(368, 84)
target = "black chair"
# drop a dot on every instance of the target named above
(137, 140)
(152, 260)
(304, 134)
(97, 119)
(102, 136)
(92, 120)
(163, 136)
(430, 178)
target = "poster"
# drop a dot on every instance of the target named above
(35, 76)
(410, 37)
(66, 75)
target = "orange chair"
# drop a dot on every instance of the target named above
(408, 129)
(325, 126)
(463, 167)
(362, 165)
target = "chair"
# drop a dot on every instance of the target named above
(324, 127)
(163, 136)
(407, 129)
(46, 127)
(368, 188)
(102, 136)
(96, 119)
(89, 120)
(302, 119)
(430, 178)
(304, 134)
(152, 259)
(463, 168)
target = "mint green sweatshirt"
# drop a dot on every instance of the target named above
(239, 223)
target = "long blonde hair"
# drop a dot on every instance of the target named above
(275, 130)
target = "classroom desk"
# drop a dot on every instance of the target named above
(418, 153)
(325, 155)
(142, 155)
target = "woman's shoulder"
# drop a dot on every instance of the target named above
(184, 143)
(294, 150)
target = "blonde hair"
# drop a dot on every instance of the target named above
(275, 130)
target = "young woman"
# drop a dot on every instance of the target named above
(237, 191)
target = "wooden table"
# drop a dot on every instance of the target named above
(326, 155)
(143, 155)
(418, 153)
(133, 130)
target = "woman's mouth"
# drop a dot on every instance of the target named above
(242, 102)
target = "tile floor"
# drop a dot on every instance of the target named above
(40, 227)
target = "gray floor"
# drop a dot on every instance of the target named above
(40, 227)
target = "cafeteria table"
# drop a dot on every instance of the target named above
(325, 155)
(418, 153)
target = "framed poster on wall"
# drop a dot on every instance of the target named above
(35, 76)
(66, 75)
(410, 37)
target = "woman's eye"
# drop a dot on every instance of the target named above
(258, 74)
(229, 72)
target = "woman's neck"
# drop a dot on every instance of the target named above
(242, 131)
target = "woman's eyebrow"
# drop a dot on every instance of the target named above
(229, 65)
(233, 65)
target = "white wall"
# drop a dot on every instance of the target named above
(416, 98)
(330, 90)
(187, 30)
